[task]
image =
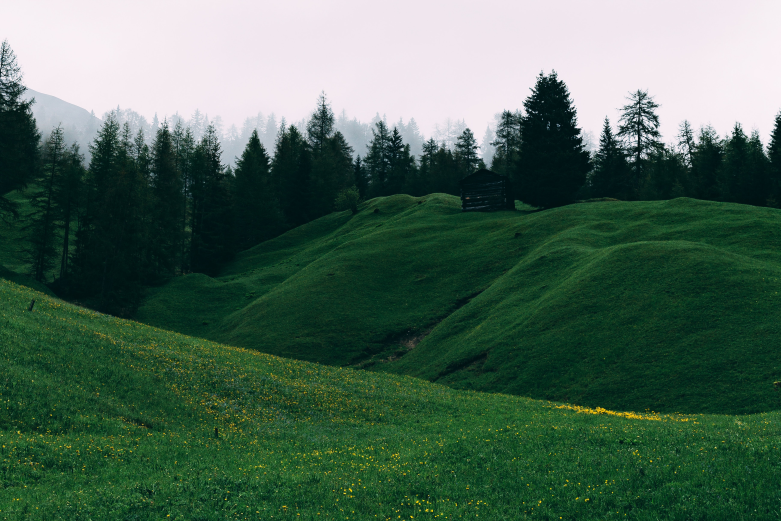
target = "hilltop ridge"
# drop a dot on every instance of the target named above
(662, 305)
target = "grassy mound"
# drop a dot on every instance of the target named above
(668, 305)
(102, 418)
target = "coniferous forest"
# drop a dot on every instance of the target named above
(144, 209)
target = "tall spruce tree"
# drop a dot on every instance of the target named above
(166, 202)
(734, 172)
(184, 147)
(401, 163)
(291, 170)
(321, 125)
(610, 177)
(212, 220)
(466, 153)
(360, 177)
(377, 159)
(110, 258)
(19, 135)
(639, 128)
(758, 186)
(774, 160)
(553, 163)
(706, 164)
(258, 216)
(42, 233)
(68, 196)
(507, 143)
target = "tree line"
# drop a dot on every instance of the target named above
(146, 209)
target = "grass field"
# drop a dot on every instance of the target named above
(102, 418)
(670, 306)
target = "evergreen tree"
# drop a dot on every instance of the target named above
(258, 215)
(110, 248)
(686, 142)
(361, 177)
(166, 202)
(487, 149)
(734, 169)
(321, 125)
(184, 148)
(639, 128)
(466, 153)
(774, 160)
(666, 175)
(553, 163)
(401, 164)
(212, 221)
(68, 197)
(42, 250)
(507, 144)
(377, 160)
(758, 186)
(706, 164)
(19, 136)
(610, 177)
(291, 170)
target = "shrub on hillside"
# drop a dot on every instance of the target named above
(347, 199)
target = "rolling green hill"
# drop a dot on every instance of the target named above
(103, 418)
(665, 305)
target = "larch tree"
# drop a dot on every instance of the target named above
(639, 128)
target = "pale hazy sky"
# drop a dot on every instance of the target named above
(710, 61)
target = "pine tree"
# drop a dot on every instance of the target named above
(401, 164)
(377, 160)
(639, 128)
(184, 148)
(758, 185)
(610, 177)
(734, 169)
(706, 164)
(291, 170)
(166, 201)
(466, 153)
(258, 215)
(68, 196)
(212, 221)
(19, 136)
(361, 177)
(686, 142)
(553, 163)
(507, 144)
(110, 253)
(774, 159)
(42, 251)
(321, 124)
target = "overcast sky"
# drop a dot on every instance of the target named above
(711, 61)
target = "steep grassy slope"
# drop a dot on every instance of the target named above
(669, 305)
(102, 418)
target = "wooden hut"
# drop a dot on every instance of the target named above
(485, 191)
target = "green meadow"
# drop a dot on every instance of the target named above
(670, 306)
(103, 418)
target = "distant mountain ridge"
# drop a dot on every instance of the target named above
(80, 125)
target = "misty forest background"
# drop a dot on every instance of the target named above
(110, 206)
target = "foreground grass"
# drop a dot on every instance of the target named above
(672, 306)
(102, 418)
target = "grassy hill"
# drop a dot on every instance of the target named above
(664, 305)
(102, 418)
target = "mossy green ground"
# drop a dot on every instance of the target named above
(102, 418)
(671, 306)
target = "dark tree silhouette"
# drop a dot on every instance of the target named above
(553, 163)
(611, 170)
(639, 128)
